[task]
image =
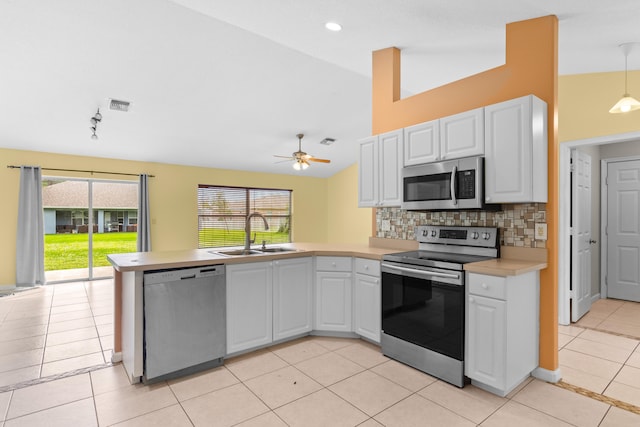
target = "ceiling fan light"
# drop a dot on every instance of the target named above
(627, 103)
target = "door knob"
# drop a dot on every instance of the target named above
(593, 242)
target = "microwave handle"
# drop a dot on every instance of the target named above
(454, 175)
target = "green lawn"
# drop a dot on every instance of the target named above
(67, 251)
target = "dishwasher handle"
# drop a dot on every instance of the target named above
(176, 275)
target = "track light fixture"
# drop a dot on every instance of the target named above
(97, 118)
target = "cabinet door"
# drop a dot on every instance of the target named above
(292, 297)
(422, 143)
(486, 349)
(508, 147)
(249, 306)
(333, 301)
(390, 168)
(367, 306)
(516, 151)
(367, 173)
(462, 135)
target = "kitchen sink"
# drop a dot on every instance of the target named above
(236, 252)
(276, 250)
(244, 252)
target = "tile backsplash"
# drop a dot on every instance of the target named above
(515, 221)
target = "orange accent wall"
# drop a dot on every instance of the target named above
(531, 67)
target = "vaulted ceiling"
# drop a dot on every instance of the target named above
(228, 84)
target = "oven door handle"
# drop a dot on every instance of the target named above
(454, 175)
(422, 272)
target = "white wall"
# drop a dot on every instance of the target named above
(622, 149)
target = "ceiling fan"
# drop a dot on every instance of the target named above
(300, 158)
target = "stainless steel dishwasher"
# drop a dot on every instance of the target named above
(184, 321)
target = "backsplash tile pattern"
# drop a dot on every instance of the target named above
(515, 221)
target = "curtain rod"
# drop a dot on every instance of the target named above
(86, 171)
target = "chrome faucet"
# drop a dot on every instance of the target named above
(247, 230)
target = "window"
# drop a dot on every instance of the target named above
(222, 213)
(133, 217)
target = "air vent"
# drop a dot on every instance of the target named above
(327, 141)
(118, 105)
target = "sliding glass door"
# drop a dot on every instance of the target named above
(85, 220)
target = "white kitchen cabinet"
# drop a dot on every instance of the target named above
(367, 299)
(451, 137)
(380, 169)
(292, 297)
(333, 294)
(462, 135)
(501, 330)
(422, 143)
(516, 151)
(249, 305)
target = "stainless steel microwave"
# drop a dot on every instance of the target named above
(451, 184)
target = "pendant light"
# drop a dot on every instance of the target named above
(627, 103)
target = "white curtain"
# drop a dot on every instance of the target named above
(30, 233)
(144, 220)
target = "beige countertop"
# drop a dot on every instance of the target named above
(144, 261)
(504, 267)
(513, 261)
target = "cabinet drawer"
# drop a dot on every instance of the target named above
(333, 263)
(368, 266)
(488, 286)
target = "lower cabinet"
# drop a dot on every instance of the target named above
(275, 300)
(249, 305)
(501, 330)
(333, 294)
(367, 299)
(268, 301)
(292, 297)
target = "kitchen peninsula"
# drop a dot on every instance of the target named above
(130, 268)
(354, 267)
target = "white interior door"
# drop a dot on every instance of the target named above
(581, 236)
(623, 230)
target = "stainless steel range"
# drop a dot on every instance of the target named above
(423, 298)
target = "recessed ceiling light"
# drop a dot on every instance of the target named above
(333, 26)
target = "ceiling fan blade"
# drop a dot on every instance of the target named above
(284, 157)
(315, 159)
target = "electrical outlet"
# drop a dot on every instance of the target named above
(541, 231)
(385, 225)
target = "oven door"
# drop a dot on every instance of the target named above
(424, 306)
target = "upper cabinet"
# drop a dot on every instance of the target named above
(462, 135)
(516, 151)
(380, 170)
(452, 137)
(422, 143)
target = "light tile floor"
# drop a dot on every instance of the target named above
(52, 330)
(601, 352)
(315, 381)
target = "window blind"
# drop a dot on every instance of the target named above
(222, 213)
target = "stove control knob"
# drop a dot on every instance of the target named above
(425, 232)
(475, 235)
(486, 236)
(433, 233)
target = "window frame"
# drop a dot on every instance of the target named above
(280, 229)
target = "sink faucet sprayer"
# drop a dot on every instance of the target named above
(247, 230)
